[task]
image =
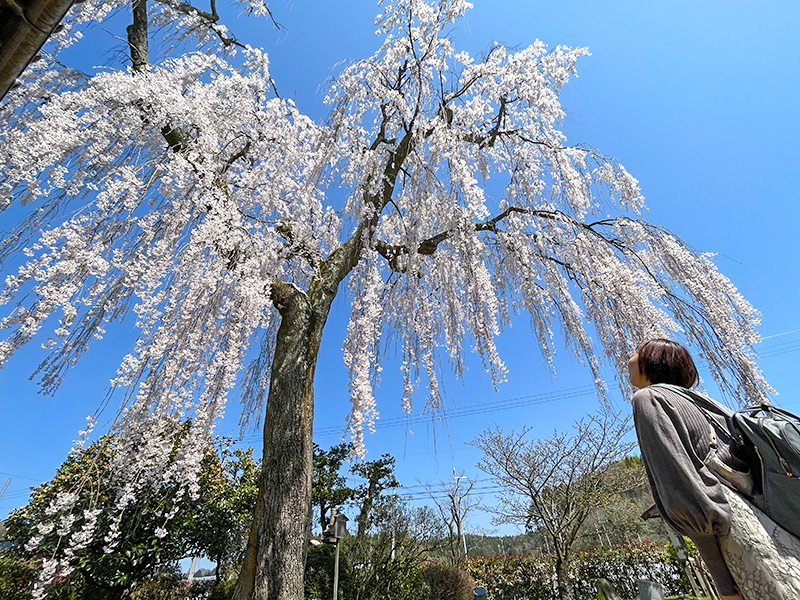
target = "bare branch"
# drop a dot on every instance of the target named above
(565, 477)
(190, 10)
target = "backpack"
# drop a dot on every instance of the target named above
(768, 441)
(773, 434)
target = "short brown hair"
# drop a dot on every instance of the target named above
(665, 361)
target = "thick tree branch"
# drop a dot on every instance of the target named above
(344, 259)
(311, 256)
(428, 246)
(137, 36)
(284, 294)
(240, 154)
(137, 40)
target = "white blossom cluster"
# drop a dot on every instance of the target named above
(185, 242)
(486, 142)
(477, 210)
(76, 518)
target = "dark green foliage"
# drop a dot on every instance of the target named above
(622, 565)
(214, 524)
(223, 590)
(219, 522)
(379, 577)
(328, 487)
(140, 553)
(379, 477)
(169, 586)
(17, 573)
(387, 559)
(382, 561)
(447, 582)
(514, 576)
(319, 574)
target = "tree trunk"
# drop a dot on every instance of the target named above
(562, 578)
(274, 562)
(275, 557)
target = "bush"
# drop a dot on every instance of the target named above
(446, 582)
(16, 576)
(533, 576)
(319, 573)
(164, 586)
(170, 586)
(223, 590)
(507, 576)
(622, 565)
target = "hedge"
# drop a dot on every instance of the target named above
(532, 576)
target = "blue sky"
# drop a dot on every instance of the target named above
(697, 100)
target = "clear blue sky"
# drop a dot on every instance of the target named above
(697, 99)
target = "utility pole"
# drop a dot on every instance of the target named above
(457, 512)
(5, 487)
(394, 527)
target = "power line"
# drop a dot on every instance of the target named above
(465, 411)
(775, 351)
(22, 476)
(774, 335)
(477, 409)
(442, 495)
(768, 351)
(528, 400)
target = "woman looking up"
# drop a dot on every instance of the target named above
(748, 555)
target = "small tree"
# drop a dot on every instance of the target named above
(378, 476)
(387, 558)
(213, 521)
(554, 483)
(328, 486)
(221, 517)
(319, 574)
(453, 502)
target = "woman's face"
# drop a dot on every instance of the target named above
(638, 379)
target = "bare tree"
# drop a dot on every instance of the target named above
(554, 483)
(453, 502)
(386, 558)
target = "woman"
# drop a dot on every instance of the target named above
(748, 555)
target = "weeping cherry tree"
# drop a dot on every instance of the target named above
(180, 190)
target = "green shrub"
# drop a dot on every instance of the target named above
(164, 586)
(532, 576)
(16, 576)
(223, 590)
(319, 573)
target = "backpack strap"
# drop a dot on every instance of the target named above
(740, 481)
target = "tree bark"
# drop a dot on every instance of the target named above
(562, 578)
(137, 36)
(276, 550)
